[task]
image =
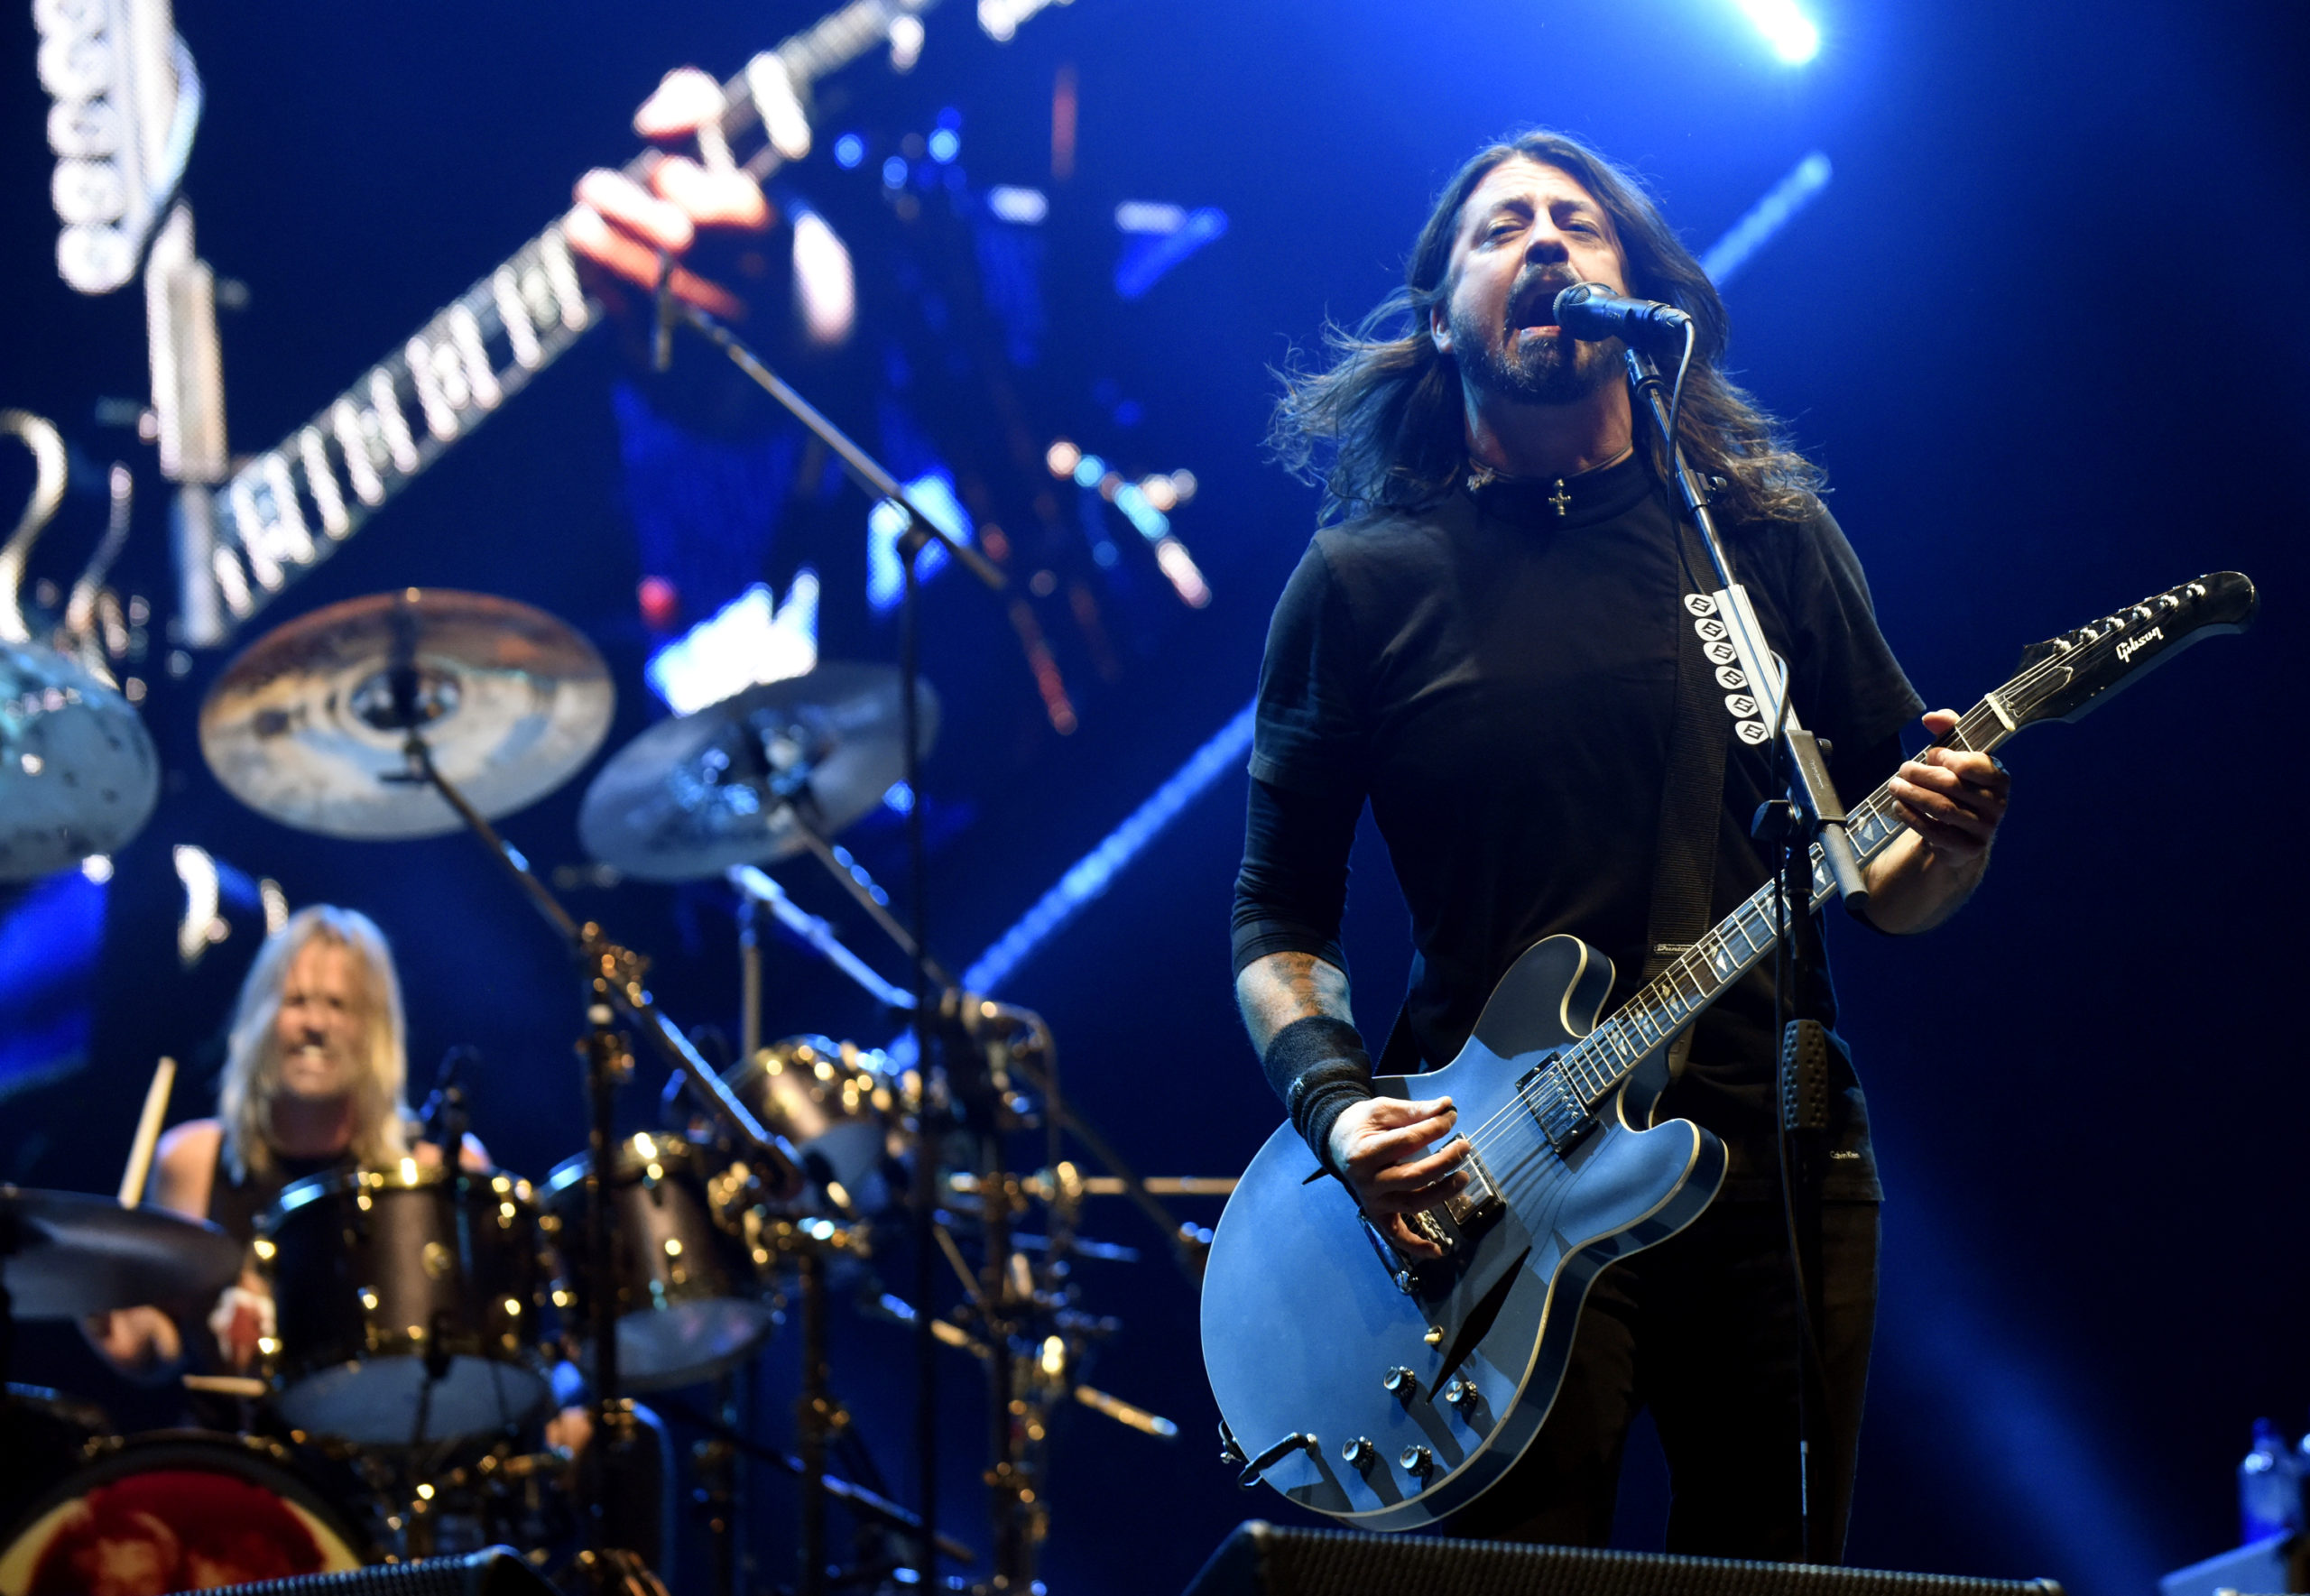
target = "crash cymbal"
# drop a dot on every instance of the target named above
(305, 726)
(692, 796)
(73, 1254)
(78, 771)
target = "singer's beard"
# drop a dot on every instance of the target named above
(1561, 370)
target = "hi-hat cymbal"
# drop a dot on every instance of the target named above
(74, 1254)
(308, 726)
(692, 796)
(78, 771)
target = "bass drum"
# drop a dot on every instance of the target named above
(407, 1303)
(44, 1436)
(177, 1511)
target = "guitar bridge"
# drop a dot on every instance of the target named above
(1477, 1199)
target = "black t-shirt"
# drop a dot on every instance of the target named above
(1496, 675)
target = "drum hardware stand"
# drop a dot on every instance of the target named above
(614, 983)
(749, 976)
(817, 1415)
(856, 1497)
(920, 532)
(721, 1493)
(10, 1241)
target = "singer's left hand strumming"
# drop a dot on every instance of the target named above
(622, 226)
(1953, 801)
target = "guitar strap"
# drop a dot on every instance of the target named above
(1692, 794)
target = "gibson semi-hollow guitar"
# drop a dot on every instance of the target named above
(1388, 1392)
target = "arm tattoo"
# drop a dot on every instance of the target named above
(1278, 988)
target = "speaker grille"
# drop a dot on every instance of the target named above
(493, 1571)
(1261, 1559)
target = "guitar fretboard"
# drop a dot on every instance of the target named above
(1593, 1068)
(286, 510)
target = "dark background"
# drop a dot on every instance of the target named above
(2043, 329)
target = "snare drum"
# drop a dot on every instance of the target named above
(407, 1302)
(177, 1511)
(689, 1302)
(837, 1104)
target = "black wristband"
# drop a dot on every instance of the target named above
(1318, 1067)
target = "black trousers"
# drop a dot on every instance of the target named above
(1703, 1329)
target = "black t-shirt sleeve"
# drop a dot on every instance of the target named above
(1292, 888)
(1309, 729)
(1849, 686)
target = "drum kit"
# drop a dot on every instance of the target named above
(422, 1311)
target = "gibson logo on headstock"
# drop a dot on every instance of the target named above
(2134, 645)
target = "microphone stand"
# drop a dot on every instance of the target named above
(1809, 784)
(1812, 811)
(920, 532)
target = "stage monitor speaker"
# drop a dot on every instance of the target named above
(493, 1571)
(1262, 1559)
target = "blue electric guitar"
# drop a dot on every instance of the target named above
(1387, 1393)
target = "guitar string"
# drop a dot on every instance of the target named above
(1876, 808)
(1643, 1005)
(1489, 1132)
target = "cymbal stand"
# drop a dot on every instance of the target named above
(614, 976)
(749, 977)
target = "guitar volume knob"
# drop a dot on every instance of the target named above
(1417, 1461)
(1358, 1453)
(1400, 1381)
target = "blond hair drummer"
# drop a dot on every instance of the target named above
(315, 1076)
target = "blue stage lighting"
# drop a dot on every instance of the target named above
(1026, 206)
(1148, 252)
(1767, 217)
(51, 933)
(1790, 32)
(849, 150)
(944, 145)
(1098, 869)
(894, 172)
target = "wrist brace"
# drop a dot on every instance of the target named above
(1318, 1067)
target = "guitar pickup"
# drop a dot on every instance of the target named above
(1562, 1117)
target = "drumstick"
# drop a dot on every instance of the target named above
(148, 1132)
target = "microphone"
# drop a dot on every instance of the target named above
(448, 1111)
(1590, 310)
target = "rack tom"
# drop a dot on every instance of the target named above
(837, 1105)
(689, 1301)
(407, 1303)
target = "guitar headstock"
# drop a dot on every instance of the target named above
(2064, 676)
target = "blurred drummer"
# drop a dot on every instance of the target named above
(314, 1076)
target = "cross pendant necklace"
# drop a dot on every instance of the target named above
(1560, 498)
